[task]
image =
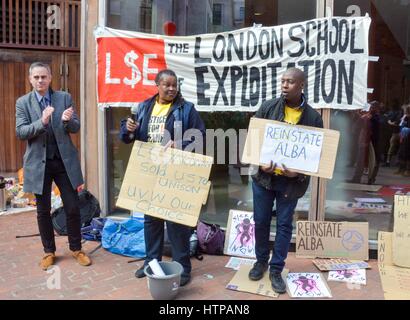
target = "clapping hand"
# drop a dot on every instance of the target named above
(47, 112)
(67, 114)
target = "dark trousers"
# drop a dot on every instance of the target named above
(178, 236)
(263, 200)
(55, 171)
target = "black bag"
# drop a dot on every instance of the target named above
(89, 209)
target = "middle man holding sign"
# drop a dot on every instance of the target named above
(163, 119)
(271, 183)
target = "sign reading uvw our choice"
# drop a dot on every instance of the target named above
(308, 150)
(296, 147)
(168, 184)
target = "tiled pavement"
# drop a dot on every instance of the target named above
(112, 276)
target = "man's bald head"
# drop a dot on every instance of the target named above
(297, 73)
(292, 83)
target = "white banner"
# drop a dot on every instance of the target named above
(238, 70)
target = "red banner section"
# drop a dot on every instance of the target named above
(127, 68)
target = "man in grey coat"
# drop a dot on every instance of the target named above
(45, 119)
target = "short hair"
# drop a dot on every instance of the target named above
(298, 72)
(39, 65)
(163, 73)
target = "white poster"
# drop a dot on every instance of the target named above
(307, 285)
(295, 147)
(240, 234)
(356, 276)
(236, 262)
(238, 70)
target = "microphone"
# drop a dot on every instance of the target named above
(134, 111)
(133, 117)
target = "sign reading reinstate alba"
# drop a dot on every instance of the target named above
(295, 147)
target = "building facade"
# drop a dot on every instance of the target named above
(105, 158)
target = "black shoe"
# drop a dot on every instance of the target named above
(140, 272)
(185, 278)
(278, 285)
(257, 271)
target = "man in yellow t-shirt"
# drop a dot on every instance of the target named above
(271, 184)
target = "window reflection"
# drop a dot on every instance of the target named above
(371, 161)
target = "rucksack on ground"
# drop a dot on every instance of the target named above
(211, 238)
(89, 209)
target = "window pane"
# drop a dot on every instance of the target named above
(372, 158)
(231, 184)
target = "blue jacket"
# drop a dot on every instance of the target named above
(143, 116)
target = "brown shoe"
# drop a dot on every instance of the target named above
(47, 261)
(81, 258)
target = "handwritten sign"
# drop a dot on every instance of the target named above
(328, 239)
(395, 280)
(356, 276)
(401, 231)
(240, 234)
(308, 150)
(339, 264)
(171, 185)
(295, 147)
(307, 285)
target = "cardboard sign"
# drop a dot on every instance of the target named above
(401, 231)
(241, 282)
(297, 147)
(339, 264)
(240, 234)
(328, 239)
(355, 276)
(307, 285)
(395, 280)
(171, 185)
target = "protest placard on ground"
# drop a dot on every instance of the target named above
(241, 282)
(355, 276)
(236, 262)
(401, 231)
(339, 264)
(170, 185)
(329, 239)
(240, 234)
(395, 280)
(307, 285)
(308, 150)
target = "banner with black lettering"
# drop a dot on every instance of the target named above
(238, 70)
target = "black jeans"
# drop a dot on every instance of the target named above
(178, 236)
(55, 170)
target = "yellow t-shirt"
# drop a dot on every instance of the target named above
(156, 125)
(292, 116)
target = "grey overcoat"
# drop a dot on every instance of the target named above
(29, 127)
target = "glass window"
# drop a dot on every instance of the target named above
(231, 184)
(373, 162)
